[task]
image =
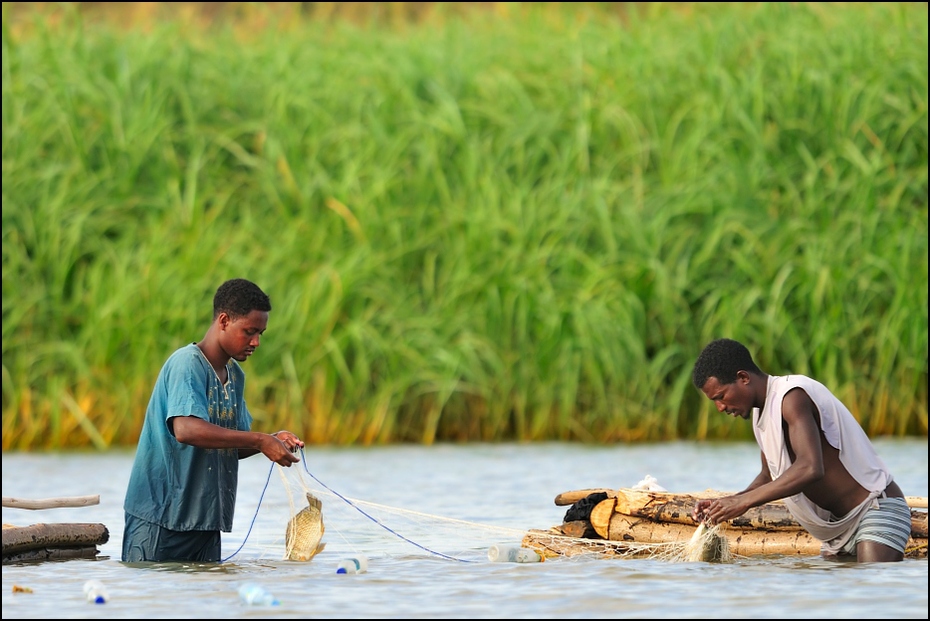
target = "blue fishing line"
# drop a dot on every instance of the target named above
(375, 520)
(347, 501)
(267, 480)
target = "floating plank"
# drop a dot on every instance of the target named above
(51, 503)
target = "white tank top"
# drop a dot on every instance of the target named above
(844, 433)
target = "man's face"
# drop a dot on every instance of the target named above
(242, 336)
(735, 399)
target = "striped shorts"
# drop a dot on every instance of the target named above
(889, 524)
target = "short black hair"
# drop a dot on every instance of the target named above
(722, 358)
(239, 297)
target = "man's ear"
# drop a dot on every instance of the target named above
(743, 376)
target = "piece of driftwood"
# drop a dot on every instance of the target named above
(52, 536)
(51, 503)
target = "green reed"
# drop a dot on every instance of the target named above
(471, 229)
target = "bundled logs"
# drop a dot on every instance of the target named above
(650, 517)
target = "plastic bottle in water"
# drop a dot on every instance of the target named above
(505, 554)
(256, 595)
(95, 592)
(353, 565)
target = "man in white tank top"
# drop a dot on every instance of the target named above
(815, 457)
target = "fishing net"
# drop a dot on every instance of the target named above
(376, 530)
(706, 544)
(355, 526)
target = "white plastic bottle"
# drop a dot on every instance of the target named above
(505, 554)
(95, 592)
(256, 595)
(353, 565)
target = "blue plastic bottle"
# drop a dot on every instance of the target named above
(95, 592)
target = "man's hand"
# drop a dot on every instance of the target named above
(698, 514)
(716, 510)
(278, 451)
(291, 441)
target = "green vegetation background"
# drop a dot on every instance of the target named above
(512, 224)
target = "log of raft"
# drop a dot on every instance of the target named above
(555, 542)
(630, 519)
(571, 497)
(676, 508)
(52, 541)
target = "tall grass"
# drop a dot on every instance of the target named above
(521, 227)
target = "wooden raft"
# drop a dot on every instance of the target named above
(628, 517)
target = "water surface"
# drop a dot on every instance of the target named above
(425, 517)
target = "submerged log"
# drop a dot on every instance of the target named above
(52, 536)
(51, 554)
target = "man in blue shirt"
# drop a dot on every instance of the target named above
(182, 489)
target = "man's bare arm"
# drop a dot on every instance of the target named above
(198, 432)
(803, 437)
